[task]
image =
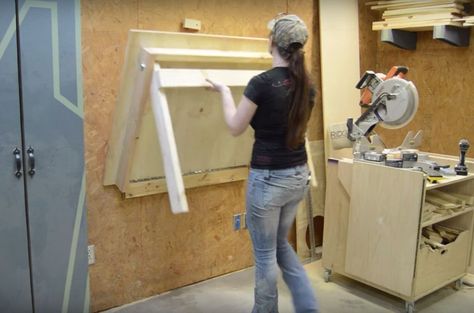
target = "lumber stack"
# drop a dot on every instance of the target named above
(437, 237)
(439, 203)
(444, 203)
(419, 15)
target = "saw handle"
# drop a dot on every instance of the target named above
(398, 70)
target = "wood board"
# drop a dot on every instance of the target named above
(196, 119)
(340, 72)
(410, 4)
(169, 153)
(432, 8)
(419, 15)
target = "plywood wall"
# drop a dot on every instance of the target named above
(368, 39)
(443, 75)
(141, 248)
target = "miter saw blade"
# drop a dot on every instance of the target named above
(399, 110)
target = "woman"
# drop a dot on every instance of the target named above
(277, 104)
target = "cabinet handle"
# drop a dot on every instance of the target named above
(17, 154)
(31, 161)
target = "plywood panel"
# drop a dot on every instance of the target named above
(207, 130)
(141, 248)
(375, 240)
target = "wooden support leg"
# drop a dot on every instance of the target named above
(164, 127)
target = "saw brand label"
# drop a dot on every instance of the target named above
(336, 134)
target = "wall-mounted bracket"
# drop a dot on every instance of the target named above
(399, 38)
(456, 36)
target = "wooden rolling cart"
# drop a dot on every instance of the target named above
(374, 222)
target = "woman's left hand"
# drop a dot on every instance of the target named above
(216, 86)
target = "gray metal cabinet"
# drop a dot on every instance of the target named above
(43, 233)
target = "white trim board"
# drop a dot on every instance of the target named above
(340, 65)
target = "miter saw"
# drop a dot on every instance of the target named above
(391, 101)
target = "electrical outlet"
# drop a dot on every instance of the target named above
(237, 222)
(91, 254)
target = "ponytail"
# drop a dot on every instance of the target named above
(300, 104)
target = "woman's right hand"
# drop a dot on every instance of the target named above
(216, 86)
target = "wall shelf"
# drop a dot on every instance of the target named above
(402, 19)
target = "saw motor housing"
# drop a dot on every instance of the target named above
(393, 104)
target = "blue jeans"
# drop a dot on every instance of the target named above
(272, 201)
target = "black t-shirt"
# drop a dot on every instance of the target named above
(270, 91)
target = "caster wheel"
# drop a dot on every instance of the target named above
(459, 284)
(327, 275)
(409, 307)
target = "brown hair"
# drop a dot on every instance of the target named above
(301, 104)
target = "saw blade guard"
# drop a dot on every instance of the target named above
(399, 110)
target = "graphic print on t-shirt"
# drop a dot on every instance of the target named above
(281, 83)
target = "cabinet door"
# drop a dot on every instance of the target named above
(383, 226)
(15, 288)
(51, 89)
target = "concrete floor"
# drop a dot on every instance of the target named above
(233, 293)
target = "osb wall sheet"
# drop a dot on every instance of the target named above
(141, 248)
(367, 39)
(444, 76)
